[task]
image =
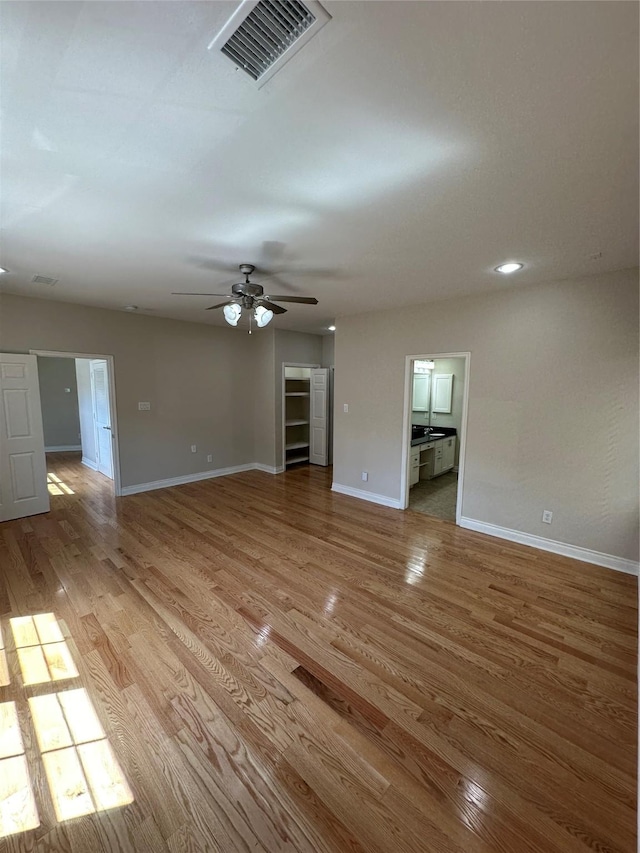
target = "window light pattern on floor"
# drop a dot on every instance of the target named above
(81, 769)
(18, 811)
(83, 773)
(5, 678)
(42, 650)
(56, 486)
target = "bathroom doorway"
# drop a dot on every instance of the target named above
(436, 392)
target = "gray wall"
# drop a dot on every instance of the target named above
(85, 410)
(328, 350)
(553, 405)
(60, 419)
(265, 403)
(199, 380)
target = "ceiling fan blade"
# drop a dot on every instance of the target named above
(307, 300)
(213, 264)
(219, 295)
(277, 279)
(271, 306)
(219, 305)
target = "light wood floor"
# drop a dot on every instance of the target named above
(277, 667)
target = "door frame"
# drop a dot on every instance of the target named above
(406, 423)
(115, 447)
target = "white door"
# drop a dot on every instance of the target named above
(23, 465)
(319, 417)
(102, 416)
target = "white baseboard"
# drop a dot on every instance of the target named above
(89, 463)
(194, 478)
(372, 497)
(609, 561)
(61, 448)
(268, 469)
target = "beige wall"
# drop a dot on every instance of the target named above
(553, 405)
(199, 380)
(60, 420)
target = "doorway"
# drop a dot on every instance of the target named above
(77, 395)
(306, 415)
(435, 418)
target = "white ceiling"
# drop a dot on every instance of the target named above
(411, 146)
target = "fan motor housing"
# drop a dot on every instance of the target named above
(247, 289)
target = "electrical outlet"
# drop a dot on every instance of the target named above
(365, 476)
(345, 407)
(209, 458)
(547, 516)
(194, 448)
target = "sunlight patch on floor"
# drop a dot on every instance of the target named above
(43, 653)
(18, 811)
(5, 678)
(83, 773)
(56, 486)
(80, 766)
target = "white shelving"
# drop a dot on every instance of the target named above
(297, 396)
(296, 445)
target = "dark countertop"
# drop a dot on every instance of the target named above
(448, 432)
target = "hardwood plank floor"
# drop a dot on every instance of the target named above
(263, 665)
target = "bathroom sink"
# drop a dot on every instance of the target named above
(435, 435)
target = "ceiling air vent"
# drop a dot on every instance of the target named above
(260, 37)
(44, 279)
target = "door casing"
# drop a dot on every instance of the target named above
(112, 402)
(406, 423)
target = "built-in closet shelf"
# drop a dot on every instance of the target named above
(296, 445)
(295, 422)
(297, 394)
(295, 459)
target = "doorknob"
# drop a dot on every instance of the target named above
(106, 427)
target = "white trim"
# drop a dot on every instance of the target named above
(372, 497)
(89, 463)
(60, 448)
(117, 480)
(405, 485)
(586, 555)
(201, 475)
(268, 469)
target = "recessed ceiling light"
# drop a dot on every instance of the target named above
(130, 308)
(331, 328)
(509, 267)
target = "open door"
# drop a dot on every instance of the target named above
(102, 417)
(319, 417)
(23, 465)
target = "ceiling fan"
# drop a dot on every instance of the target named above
(246, 294)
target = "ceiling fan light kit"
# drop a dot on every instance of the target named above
(251, 296)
